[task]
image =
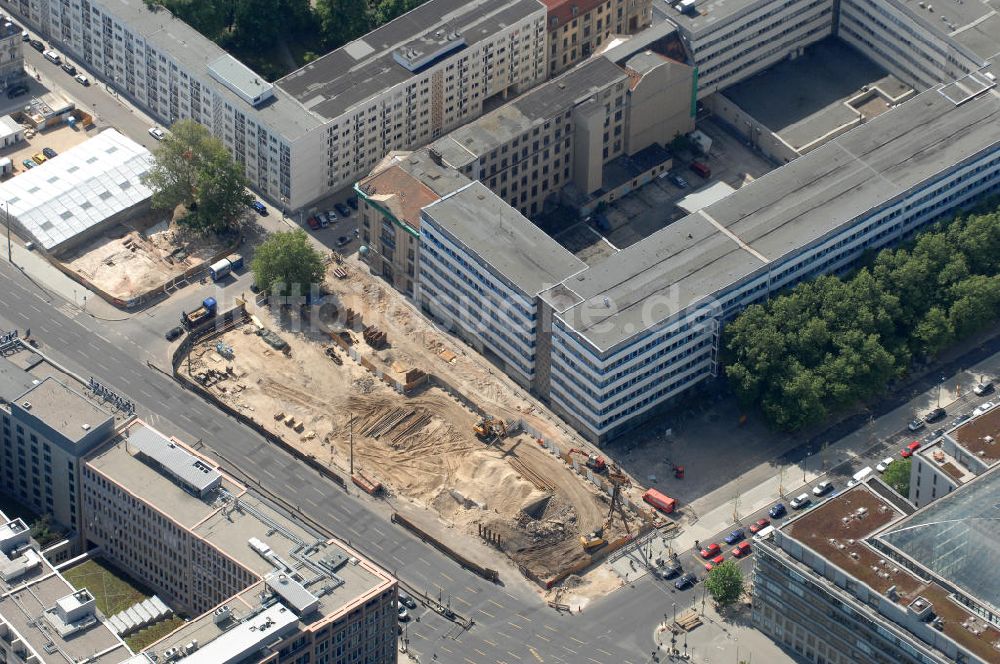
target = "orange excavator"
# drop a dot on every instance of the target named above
(594, 462)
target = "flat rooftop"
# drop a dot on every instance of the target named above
(355, 72)
(195, 53)
(935, 455)
(975, 26)
(512, 246)
(839, 529)
(709, 14)
(980, 436)
(471, 141)
(804, 99)
(14, 381)
(29, 595)
(63, 409)
(777, 215)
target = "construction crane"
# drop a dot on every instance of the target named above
(594, 462)
(618, 480)
(490, 429)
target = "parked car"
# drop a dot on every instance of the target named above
(259, 208)
(800, 501)
(760, 525)
(822, 488)
(68, 68)
(678, 181)
(711, 550)
(49, 153)
(701, 169)
(685, 581)
(82, 80)
(935, 415)
(25, 37)
(28, 164)
(332, 216)
(407, 601)
(17, 91)
(715, 562)
(39, 158)
(983, 388)
(884, 464)
(352, 202)
(915, 425)
(908, 451)
(777, 511)
(342, 209)
(980, 409)
(323, 219)
(741, 550)
(735, 536)
(342, 240)
(37, 45)
(173, 333)
(157, 133)
(313, 223)
(403, 613)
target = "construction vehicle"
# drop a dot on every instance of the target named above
(489, 429)
(594, 540)
(594, 462)
(192, 318)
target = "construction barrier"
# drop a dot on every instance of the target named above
(213, 328)
(486, 573)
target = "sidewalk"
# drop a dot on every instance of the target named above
(718, 639)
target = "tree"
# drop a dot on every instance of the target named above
(897, 475)
(725, 583)
(193, 168)
(287, 263)
(342, 20)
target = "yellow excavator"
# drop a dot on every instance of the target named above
(489, 429)
(594, 540)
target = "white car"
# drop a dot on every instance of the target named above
(82, 80)
(884, 464)
(822, 488)
(983, 388)
(157, 133)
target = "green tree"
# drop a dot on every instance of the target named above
(897, 475)
(342, 20)
(193, 168)
(256, 23)
(287, 263)
(725, 583)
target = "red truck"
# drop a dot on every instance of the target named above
(660, 501)
(701, 169)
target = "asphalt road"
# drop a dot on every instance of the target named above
(511, 625)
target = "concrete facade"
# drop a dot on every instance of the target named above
(324, 126)
(11, 56)
(576, 29)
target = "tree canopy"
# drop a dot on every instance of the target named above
(833, 342)
(725, 583)
(286, 263)
(897, 475)
(193, 168)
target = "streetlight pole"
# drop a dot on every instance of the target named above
(6, 214)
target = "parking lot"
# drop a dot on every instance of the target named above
(59, 138)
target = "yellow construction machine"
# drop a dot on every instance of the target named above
(489, 429)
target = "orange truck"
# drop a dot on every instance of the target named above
(660, 501)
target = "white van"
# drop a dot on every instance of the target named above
(52, 57)
(860, 476)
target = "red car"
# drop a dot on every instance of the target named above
(313, 223)
(908, 451)
(760, 525)
(711, 564)
(741, 550)
(710, 550)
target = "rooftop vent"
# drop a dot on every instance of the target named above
(26, 405)
(85, 427)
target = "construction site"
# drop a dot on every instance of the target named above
(374, 391)
(142, 255)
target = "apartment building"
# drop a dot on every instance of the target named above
(576, 29)
(854, 580)
(482, 269)
(11, 55)
(956, 458)
(48, 428)
(321, 128)
(389, 204)
(262, 586)
(44, 619)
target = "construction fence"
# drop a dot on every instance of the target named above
(488, 574)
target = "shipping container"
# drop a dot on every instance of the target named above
(662, 502)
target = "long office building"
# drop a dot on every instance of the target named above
(855, 580)
(641, 326)
(322, 127)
